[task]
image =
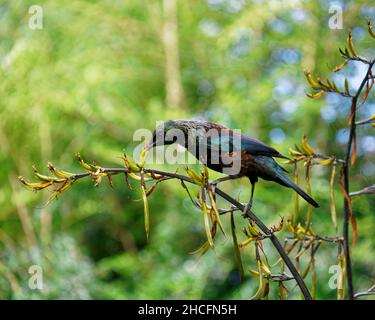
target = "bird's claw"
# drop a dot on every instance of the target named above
(247, 209)
(213, 186)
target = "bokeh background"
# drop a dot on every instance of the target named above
(99, 70)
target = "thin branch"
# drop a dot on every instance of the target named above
(278, 277)
(366, 121)
(250, 215)
(274, 241)
(367, 190)
(232, 209)
(324, 157)
(318, 238)
(346, 213)
(360, 59)
(369, 292)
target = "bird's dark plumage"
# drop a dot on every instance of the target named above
(254, 158)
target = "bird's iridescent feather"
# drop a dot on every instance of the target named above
(255, 157)
(233, 142)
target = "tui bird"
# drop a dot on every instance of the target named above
(221, 149)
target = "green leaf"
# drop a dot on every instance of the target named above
(236, 248)
(146, 213)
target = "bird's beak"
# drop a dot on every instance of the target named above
(150, 146)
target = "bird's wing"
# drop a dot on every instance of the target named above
(256, 147)
(238, 142)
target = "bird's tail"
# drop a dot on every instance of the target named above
(289, 183)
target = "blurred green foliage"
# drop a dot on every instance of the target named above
(96, 72)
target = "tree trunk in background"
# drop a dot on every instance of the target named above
(173, 87)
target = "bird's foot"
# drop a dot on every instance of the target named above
(247, 209)
(212, 186)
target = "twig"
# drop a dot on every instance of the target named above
(318, 238)
(321, 156)
(369, 292)
(368, 190)
(274, 241)
(224, 211)
(250, 215)
(366, 121)
(346, 213)
(357, 58)
(278, 277)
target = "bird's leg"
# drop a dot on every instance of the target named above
(250, 203)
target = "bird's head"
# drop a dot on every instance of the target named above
(161, 135)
